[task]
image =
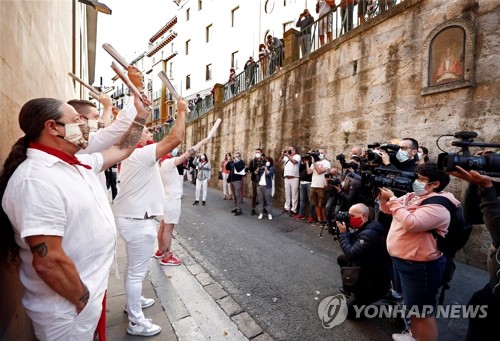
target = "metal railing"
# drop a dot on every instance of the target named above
(343, 18)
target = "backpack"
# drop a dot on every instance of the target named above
(459, 232)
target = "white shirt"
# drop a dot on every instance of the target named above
(291, 169)
(170, 178)
(141, 189)
(47, 196)
(323, 8)
(318, 180)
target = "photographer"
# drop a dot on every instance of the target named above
(265, 175)
(481, 189)
(236, 169)
(364, 248)
(318, 170)
(305, 191)
(332, 205)
(405, 159)
(253, 168)
(291, 161)
(417, 261)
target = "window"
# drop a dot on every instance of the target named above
(188, 82)
(208, 32)
(187, 46)
(156, 114)
(208, 72)
(171, 69)
(234, 59)
(200, 5)
(187, 14)
(233, 16)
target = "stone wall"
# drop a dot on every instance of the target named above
(366, 87)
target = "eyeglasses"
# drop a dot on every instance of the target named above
(406, 148)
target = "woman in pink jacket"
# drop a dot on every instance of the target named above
(416, 258)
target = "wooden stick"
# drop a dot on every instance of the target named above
(118, 57)
(85, 84)
(214, 128)
(126, 80)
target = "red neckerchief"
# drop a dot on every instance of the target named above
(59, 154)
(147, 144)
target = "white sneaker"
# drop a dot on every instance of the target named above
(404, 336)
(143, 328)
(260, 216)
(270, 217)
(145, 303)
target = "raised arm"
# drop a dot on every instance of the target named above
(191, 152)
(129, 140)
(107, 112)
(176, 135)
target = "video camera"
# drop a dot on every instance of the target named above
(344, 164)
(390, 178)
(488, 164)
(312, 155)
(374, 157)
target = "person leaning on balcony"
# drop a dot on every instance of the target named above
(305, 23)
(346, 14)
(57, 224)
(232, 81)
(276, 48)
(323, 7)
(136, 206)
(264, 60)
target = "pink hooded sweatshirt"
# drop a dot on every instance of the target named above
(409, 236)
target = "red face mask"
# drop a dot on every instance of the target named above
(355, 222)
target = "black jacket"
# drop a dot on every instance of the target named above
(235, 167)
(366, 248)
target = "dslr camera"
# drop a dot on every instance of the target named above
(488, 164)
(343, 217)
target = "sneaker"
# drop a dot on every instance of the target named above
(260, 216)
(203, 202)
(143, 328)
(292, 213)
(158, 254)
(196, 202)
(404, 336)
(145, 303)
(234, 210)
(298, 216)
(170, 261)
(238, 212)
(270, 217)
(393, 297)
(310, 220)
(253, 213)
(286, 211)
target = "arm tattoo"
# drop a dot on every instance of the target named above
(132, 136)
(40, 249)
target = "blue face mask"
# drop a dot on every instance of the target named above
(174, 152)
(402, 155)
(419, 187)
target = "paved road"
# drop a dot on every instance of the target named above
(279, 271)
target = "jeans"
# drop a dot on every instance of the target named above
(238, 195)
(305, 198)
(139, 237)
(265, 196)
(305, 43)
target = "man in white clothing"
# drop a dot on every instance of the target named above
(291, 164)
(318, 192)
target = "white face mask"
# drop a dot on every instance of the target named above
(76, 133)
(420, 156)
(419, 187)
(321, 156)
(268, 164)
(202, 157)
(402, 155)
(236, 159)
(257, 155)
(95, 125)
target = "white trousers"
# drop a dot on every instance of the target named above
(226, 188)
(139, 237)
(201, 185)
(291, 194)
